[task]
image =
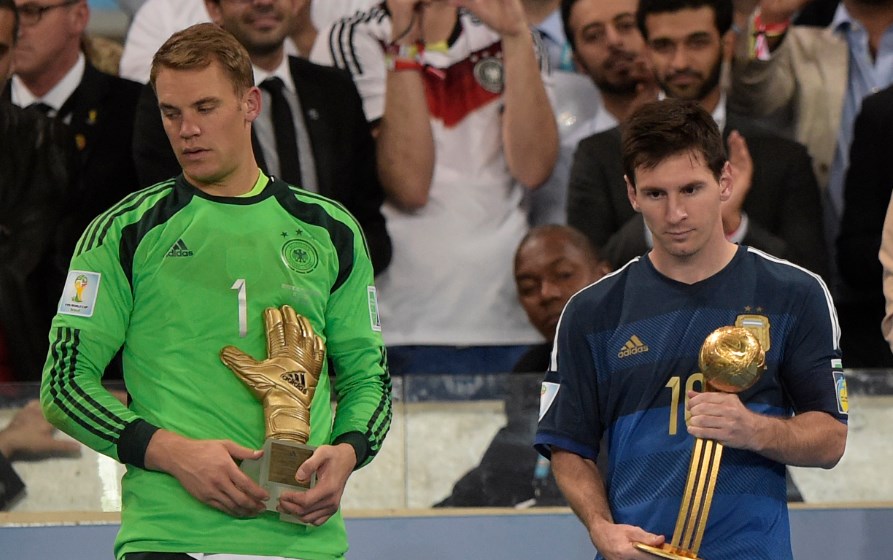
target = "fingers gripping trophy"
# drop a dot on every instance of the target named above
(285, 382)
(731, 360)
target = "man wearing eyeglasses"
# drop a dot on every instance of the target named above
(53, 75)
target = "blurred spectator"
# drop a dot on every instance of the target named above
(545, 18)
(156, 20)
(614, 78)
(775, 201)
(552, 263)
(53, 75)
(28, 435)
(37, 160)
(820, 76)
(865, 230)
(461, 113)
(330, 151)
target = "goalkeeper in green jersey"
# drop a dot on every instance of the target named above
(175, 273)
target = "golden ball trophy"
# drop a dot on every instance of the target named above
(731, 360)
(285, 383)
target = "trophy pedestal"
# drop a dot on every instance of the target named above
(668, 551)
(275, 471)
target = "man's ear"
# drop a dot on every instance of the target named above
(252, 103)
(725, 182)
(631, 193)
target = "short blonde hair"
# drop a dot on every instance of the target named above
(196, 47)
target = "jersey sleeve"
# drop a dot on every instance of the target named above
(569, 417)
(355, 45)
(353, 339)
(85, 335)
(812, 369)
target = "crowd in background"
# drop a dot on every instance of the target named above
(450, 132)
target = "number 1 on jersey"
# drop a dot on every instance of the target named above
(243, 306)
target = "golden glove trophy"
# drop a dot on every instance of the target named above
(731, 360)
(285, 382)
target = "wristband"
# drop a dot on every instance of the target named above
(759, 44)
(399, 58)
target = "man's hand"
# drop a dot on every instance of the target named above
(505, 17)
(617, 542)
(29, 434)
(207, 470)
(332, 464)
(722, 417)
(742, 177)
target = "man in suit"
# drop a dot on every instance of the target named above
(318, 139)
(869, 185)
(775, 202)
(52, 74)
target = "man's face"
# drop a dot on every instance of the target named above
(549, 269)
(7, 42)
(608, 45)
(207, 122)
(260, 25)
(680, 202)
(53, 40)
(685, 50)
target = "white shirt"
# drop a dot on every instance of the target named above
(57, 96)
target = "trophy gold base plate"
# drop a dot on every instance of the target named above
(275, 471)
(668, 551)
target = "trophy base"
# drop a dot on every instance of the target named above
(668, 551)
(275, 472)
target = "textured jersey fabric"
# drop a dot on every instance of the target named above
(174, 275)
(627, 350)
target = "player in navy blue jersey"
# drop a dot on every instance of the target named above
(624, 367)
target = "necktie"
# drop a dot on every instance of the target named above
(43, 108)
(284, 131)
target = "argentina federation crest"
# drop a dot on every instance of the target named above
(758, 325)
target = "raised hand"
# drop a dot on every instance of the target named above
(286, 381)
(742, 176)
(505, 17)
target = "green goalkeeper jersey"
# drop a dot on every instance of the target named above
(170, 275)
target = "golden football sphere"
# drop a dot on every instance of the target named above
(731, 359)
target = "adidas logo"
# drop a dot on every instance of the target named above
(632, 346)
(179, 249)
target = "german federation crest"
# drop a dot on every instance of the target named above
(299, 255)
(488, 72)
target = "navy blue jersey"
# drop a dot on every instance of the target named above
(626, 352)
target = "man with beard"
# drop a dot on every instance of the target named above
(775, 200)
(607, 49)
(311, 132)
(820, 76)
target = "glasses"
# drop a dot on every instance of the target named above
(30, 14)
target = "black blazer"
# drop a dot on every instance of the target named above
(869, 184)
(783, 205)
(101, 110)
(343, 148)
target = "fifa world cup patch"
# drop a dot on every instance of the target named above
(547, 396)
(374, 317)
(843, 405)
(79, 293)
